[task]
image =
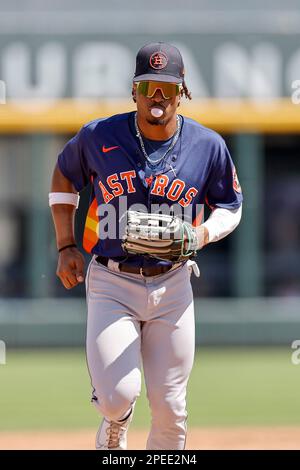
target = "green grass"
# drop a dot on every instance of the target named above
(51, 389)
(244, 387)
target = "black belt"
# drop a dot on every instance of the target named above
(128, 268)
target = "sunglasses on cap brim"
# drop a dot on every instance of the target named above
(168, 90)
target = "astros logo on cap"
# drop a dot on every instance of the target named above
(158, 60)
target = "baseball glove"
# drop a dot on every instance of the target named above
(161, 236)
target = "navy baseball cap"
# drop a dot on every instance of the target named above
(160, 62)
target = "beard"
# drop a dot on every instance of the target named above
(157, 121)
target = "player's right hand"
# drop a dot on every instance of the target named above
(70, 267)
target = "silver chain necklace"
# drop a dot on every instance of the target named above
(171, 146)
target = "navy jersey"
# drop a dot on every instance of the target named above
(107, 153)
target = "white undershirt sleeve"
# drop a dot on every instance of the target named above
(221, 222)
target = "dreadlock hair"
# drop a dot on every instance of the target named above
(185, 91)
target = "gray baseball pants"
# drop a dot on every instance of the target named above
(136, 321)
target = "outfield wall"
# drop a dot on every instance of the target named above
(256, 321)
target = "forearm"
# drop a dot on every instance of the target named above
(63, 217)
(63, 214)
(221, 223)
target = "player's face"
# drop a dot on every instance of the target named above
(159, 99)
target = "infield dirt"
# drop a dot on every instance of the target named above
(198, 438)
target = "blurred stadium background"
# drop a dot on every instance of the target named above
(63, 63)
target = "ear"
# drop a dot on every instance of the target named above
(133, 92)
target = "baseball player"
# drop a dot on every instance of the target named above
(138, 289)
